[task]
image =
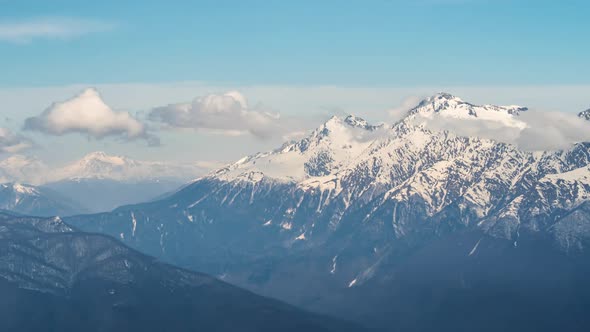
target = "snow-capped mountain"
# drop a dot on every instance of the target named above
(344, 206)
(99, 165)
(36, 201)
(100, 182)
(96, 166)
(328, 149)
(448, 106)
(585, 114)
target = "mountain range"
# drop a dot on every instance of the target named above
(426, 228)
(55, 278)
(97, 182)
(36, 201)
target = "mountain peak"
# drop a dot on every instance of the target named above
(446, 96)
(97, 154)
(349, 121)
(449, 106)
(103, 157)
(89, 92)
(585, 114)
(355, 121)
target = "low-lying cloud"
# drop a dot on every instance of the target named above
(87, 114)
(406, 105)
(13, 143)
(543, 131)
(552, 131)
(227, 114)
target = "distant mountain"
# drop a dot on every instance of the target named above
(101, 182)
(101, 166)
(36, 201)
(585, 114)
(344, 208)
(54, 278)
(98, 195)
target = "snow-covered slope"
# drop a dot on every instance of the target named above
(30, 200)
(99, 165)
(328, 149)
(101, 182)
(96, 166)
(448, 106)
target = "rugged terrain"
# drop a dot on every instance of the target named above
(323, 221)
(55, 278)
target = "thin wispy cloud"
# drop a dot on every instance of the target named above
(25, 31)
(12, 143)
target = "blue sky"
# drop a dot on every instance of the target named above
(305, 59)
(354, 43)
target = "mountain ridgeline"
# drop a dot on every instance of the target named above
(400, 226)
(36, 201)
(55, 278)
(97, 182)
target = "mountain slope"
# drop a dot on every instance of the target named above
(99, 195)
(31, 200)
(101, 182)
(54, 278)
(99, 165)
(346, 205)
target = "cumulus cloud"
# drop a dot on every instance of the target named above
(227, 114)
(87, 114)
(25, 31)
(12, 143)
(542, 131)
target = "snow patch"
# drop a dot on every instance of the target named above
(300, 237)
(134, 224)
(474, 248)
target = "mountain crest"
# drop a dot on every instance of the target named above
(449, 106)
(104, 157)
(585, 114)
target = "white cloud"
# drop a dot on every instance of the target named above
(542, 131)
(552, 131)
(86, 113)
(407, 104)
(228, 114)
(49, 28)
(12, 143)
(296, 103)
